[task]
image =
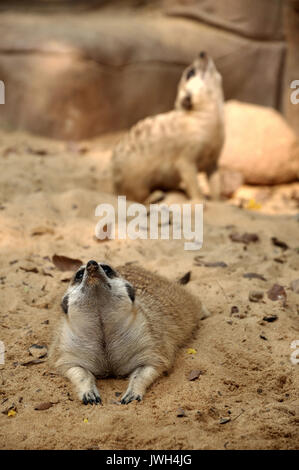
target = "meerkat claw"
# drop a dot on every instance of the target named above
(130, 396)
(91, 398)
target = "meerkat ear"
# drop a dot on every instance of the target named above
(65, 304)
(131, 291)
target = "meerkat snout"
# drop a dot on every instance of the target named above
(121, 322)
(94, 281)
(187, 102)
(199, 83)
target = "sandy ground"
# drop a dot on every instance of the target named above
(247, 394)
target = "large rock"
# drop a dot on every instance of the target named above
(75, 77)
(259, 144)
(257, 19)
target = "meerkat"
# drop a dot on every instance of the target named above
(121, 322)
(165, 150)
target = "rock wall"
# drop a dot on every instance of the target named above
(76, 76)
(291, 110)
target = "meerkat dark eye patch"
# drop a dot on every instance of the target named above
(190, 73)
(65, 304)
(131, 292)
(79, 275)
(108, 271)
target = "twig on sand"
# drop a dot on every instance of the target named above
(222, 290)
(234, 419)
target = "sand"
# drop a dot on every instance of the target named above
(246, 396)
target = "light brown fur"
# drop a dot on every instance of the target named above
(105, 332)
(165, 150)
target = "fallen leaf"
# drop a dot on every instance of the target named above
(66, 264)
(198, 258)
(37, 151)
(255, 295)
(29, 270)
(277, 292)
(85, 420)
(253, 205)
(234, 309)
(244, 238)
(295, 286)
(181, 413)
(44, 406)
(216, 264)
(31, 363)
(38, 351)
(191, 351)
(270, 318)
(185, 279)
(11, 413)
(210, 264)
(224, 420)
(194, 374)
(279, 243)
(254, 276)
(45, 273)
(37, 231)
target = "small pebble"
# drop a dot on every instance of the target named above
(181, 413)
(270, 318)
(255, 295)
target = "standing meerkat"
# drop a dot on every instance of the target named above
(121, 322)
(162, 151)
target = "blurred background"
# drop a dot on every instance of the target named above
(76, 69)
(77, 74)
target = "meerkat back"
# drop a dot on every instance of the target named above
(170, 308)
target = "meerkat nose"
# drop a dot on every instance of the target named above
(202, 54)
(91, 265)
(187, 102)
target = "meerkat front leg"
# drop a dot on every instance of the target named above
(140, 379)
(85, 384)
(188, 174)
(215, 185)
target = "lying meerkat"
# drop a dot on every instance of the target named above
(120, 323)
(162, 151)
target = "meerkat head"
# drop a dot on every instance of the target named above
(200, 84)
(96, 287)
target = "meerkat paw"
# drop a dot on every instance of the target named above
(92, 396)
(130, 396)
